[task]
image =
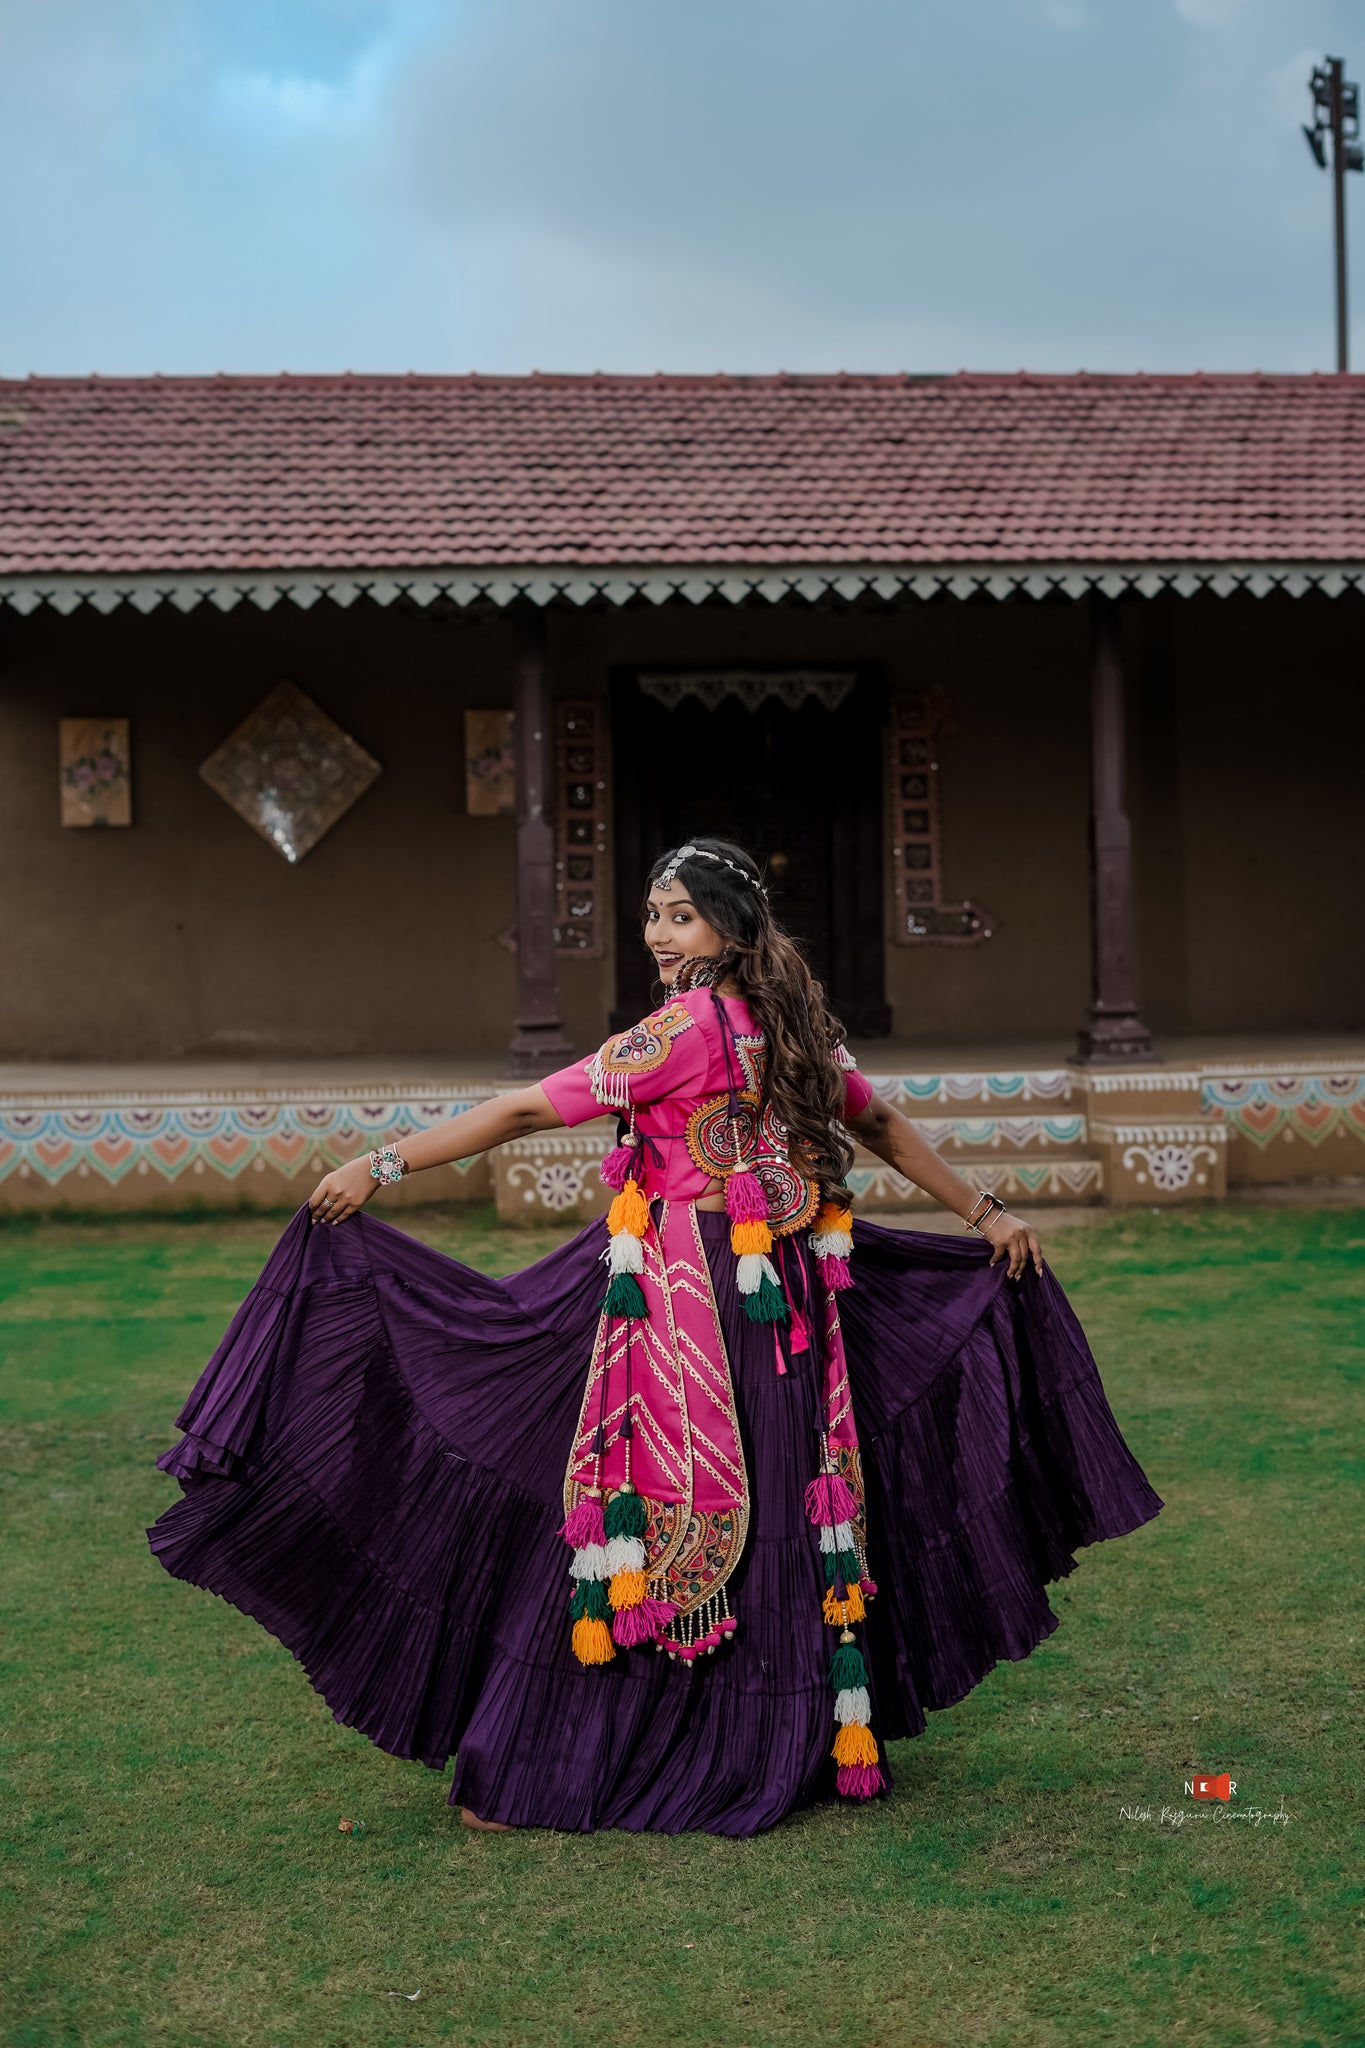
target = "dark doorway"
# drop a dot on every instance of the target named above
(794, 780)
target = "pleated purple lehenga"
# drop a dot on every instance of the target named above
(374, 1466)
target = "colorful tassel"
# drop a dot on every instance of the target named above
(747, 1238)
(852, 1704)
(643, 1624)
(616, 1169)
(627, 1514)
(590, 1599)
(832, 1218)
(838, 1613)
(625, 1296)
(768, 1304)
(855, 1744)
(584, 1524)
(625, 1554)
(829, 1499)
(589, 1561)
(592, 1643)
(625, 1254)
(843, 1565)
(859, 1781)
(847, 1671)
(629, 1211)
(745, 1201)
(627, 1589)
(837, 1275)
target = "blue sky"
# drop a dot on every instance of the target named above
(194, 185)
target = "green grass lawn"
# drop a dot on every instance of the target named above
(170, 1862)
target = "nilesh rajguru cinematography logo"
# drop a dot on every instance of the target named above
(1222, 1787)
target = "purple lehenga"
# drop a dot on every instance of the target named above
(374, 1468)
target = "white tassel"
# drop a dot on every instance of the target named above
(832, 1244)
(625, 1254)
(749, 1272)
(836, 1539)
(853, 1704)
(624, 1554)
(770, 1272)
(590, 1562)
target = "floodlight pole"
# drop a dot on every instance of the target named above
(1334, 79)
(1336, 112)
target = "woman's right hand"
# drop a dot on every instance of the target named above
(343, 1192)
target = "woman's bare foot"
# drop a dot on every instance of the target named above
(483, 1827)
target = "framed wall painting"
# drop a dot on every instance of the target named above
(490, 765)
(94, 771)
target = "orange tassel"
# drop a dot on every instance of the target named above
(831, 1218)
(839, 1613)
(629, 1211)
(592, 1643)
(627, 1589)
(750, 1237)
(855, 1744)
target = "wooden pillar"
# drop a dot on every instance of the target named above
(1114, 1030)
(538, 1043)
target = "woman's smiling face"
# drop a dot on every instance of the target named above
(675, 930)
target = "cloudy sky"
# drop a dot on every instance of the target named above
(193, 185)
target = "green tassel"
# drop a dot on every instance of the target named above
(767, 1304)
(590, 1599)
(845, 1566)
(626, 1515)
(846, 1668)
(625, 1297)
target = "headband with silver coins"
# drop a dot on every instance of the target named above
(690, 852)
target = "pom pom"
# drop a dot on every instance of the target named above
(627, 1589)
(746, 1238)
(847, 1671)
(855, 1744)
(837, 1275)
(767, 1304)
(749, 1273)
(745, 1201)
(829, 1500)
(859, 1781)
(584, 1524)
(615, 1168)
(592, 1643)
(831, 1216)
(627, 1515)
(867, 1587)
(630, 1211)
(852, 1704)
(836, 1539)
(624, 1554)
(590, 1599)
(589, 1562)
(833, 1244)
(625, 1254)
(625, 1297)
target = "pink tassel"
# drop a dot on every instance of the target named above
(837, 1275)
(860, 1781)
(745, 1201)
(615, 1168)
(584, 1525)
(634, 1625)
(829, 1501)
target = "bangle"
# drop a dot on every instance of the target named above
(387, 1165)
(983, 1212)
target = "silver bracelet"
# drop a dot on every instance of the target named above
(983, 1212)
(387, 1165)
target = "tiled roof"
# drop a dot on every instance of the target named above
(132, 476)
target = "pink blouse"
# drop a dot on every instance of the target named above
(671, 1069)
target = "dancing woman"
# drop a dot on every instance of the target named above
(679, 1527)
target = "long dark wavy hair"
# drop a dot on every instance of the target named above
(801, 1080)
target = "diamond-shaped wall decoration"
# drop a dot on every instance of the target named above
(290, 771)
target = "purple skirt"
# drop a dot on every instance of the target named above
(373, 1469)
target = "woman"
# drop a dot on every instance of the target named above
(688, 1552)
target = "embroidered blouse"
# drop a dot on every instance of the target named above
(671, 1071)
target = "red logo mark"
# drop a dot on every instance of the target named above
(1211, 1788)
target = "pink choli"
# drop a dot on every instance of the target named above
(672, 1070)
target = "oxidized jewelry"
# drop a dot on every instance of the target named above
(387, 1165)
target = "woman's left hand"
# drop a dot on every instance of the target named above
(342, 1191)
(1012, 1239)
